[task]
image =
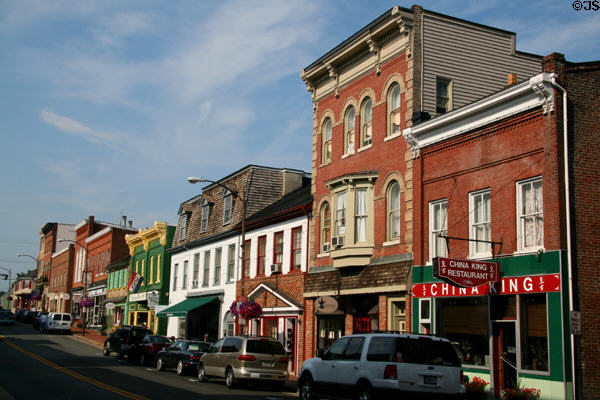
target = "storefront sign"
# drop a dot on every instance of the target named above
(512, 285)
(152, 298)
(101, 291)
(326, 305)
(465, 273)
(138, 296)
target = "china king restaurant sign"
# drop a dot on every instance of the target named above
(465, 273)
(511, 285)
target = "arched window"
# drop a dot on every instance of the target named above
(326, 138)
(366, 117)
(393, 211)
(325, 227)
(349, 122)
(394, 116)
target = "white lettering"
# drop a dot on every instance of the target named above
(462, 290)
(514, 284)
(475, 290)
(528, 284)
(445, 289)
(434, 291)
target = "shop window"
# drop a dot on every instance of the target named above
(534, 332)
(398, 316)
(329, 329)
(503, 308)
(464, 321)
(181, 327)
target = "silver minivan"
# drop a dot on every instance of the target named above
(245, 358)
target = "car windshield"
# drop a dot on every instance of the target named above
(66, 317)
(159, 339)
(56, 317)
(198, 346)
(264, 346)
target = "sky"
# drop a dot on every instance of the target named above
(106, 107)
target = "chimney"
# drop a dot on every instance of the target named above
(512, 79)
(292, 180)
(124, 220)
(90, 225)
(130, 223)
(555, 62)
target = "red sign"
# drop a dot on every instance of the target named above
(465, 273)
(512, 285)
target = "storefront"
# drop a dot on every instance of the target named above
(141, 312)
(510, 332)
(96, 314)
(197, 318)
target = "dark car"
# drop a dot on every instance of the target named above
(20, 314)
(124, 339)
(28, 316)
(148, 348)
(182, 355)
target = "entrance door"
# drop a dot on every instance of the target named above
(505, 356)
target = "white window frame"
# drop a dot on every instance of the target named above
(227, 206)
(361, 218)
(185, 274)
(206, 269)
(349, 130)
(394, 112)
(447, 83)
(175, 268)
(325, 209)
(183, 217)
(521, 216)
(205, 216)
(341, 213)
(326, 131)
(473, 247)
(195, 275)
(391, 212)
(366, 125)
(231, 263)
(437, 227)
(217, 266)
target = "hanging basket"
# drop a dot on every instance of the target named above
(86, 302)
(246, 309)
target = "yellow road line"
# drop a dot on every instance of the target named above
(74, 374)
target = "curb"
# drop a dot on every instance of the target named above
(90, 342)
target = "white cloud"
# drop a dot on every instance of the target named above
(70, 126)
(111, 29)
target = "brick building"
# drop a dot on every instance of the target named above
(60, 281)
(403, 67)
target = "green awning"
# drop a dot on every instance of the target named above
(181, 309)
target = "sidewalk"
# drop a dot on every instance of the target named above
(91, 337)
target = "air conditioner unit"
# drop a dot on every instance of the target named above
(195, 283)
(337, 241)
(275, 269)
(325, 248)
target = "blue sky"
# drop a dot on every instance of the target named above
(106, 107)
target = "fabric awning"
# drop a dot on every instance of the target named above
(181, 309)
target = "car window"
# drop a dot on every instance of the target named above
(232, 345)
(158, 339)
(66, 317)
(215, 347)
(136, 333)
(56, 317)
(426, 351)
(264, 346)
(336, 351)
(382, 349)
(198, 346)
(122, 333)
(354, 348)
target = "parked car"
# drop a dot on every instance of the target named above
(245, 358)
(28, 316)
(149, 347)
(6, 318)
(58, 322)
(385, 365)
(20, 314)
(37, 319)
(123, 340)
(182, 355)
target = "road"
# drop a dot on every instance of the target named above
(41, 366)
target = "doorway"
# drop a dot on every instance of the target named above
(505, 356)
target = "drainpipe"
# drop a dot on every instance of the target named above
(568, 221)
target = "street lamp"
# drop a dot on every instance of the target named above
(37, 268)
(244, 200)
(85, 278)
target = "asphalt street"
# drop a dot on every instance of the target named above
(41, 366)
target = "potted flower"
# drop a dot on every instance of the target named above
(520, 393)
(86, 302)
(246, 309)
(35, 297)
(476, 389)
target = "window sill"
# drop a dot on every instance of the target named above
(347, 155)
(391, 243)
(530, 251)
(480, 256)
(392, 137)
(325, 164)
(322, 255)
(367, 147)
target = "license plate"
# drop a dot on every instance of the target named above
(430, 380)
(268, 364)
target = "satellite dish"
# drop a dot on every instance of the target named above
(326, 305)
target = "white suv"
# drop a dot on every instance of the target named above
(364, 366)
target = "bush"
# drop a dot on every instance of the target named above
(520, 393)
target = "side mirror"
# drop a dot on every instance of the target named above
(320, 353)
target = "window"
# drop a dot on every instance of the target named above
(246, 259)
(175, 267)
(262, 249)
(480, 222)
(205, 214)
(340, 214)
(92, 264)
(183, 225)
(157, 269)
(530, 214)
(206, 268)
(366, 118)
(278, 248)
(227, 203)
(443, 95)
(349, 122)
(394, 116)
(185, 275)
(534, 332)
(230, 262)
(325, 225)
(360, 227)
(393, 212)
(326, 140)
(196, 270)
(217, 278)
(438, 225)
(398, 315)
(296, 248)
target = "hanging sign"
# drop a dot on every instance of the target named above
(465, 273)
(135, 282)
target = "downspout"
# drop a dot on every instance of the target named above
(568, 221)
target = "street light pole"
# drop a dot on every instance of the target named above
(85, 278)
(244, 200)
(37, 267)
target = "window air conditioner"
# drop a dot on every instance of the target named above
(337, 241)
(275, 269)
(325, 248)
(195, 283)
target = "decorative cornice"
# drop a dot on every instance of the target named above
(158, 231)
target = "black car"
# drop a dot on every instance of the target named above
(145, 352)
(20, 314)
(124, 339)
(182, 355)
(29, 316)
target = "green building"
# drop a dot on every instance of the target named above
(116, 294)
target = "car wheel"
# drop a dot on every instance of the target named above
(306, 388)
(180, 369)
(142, 360)
(202, 373)
(106, 350)
(364, 391)
(230, 380)
(160, 364)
